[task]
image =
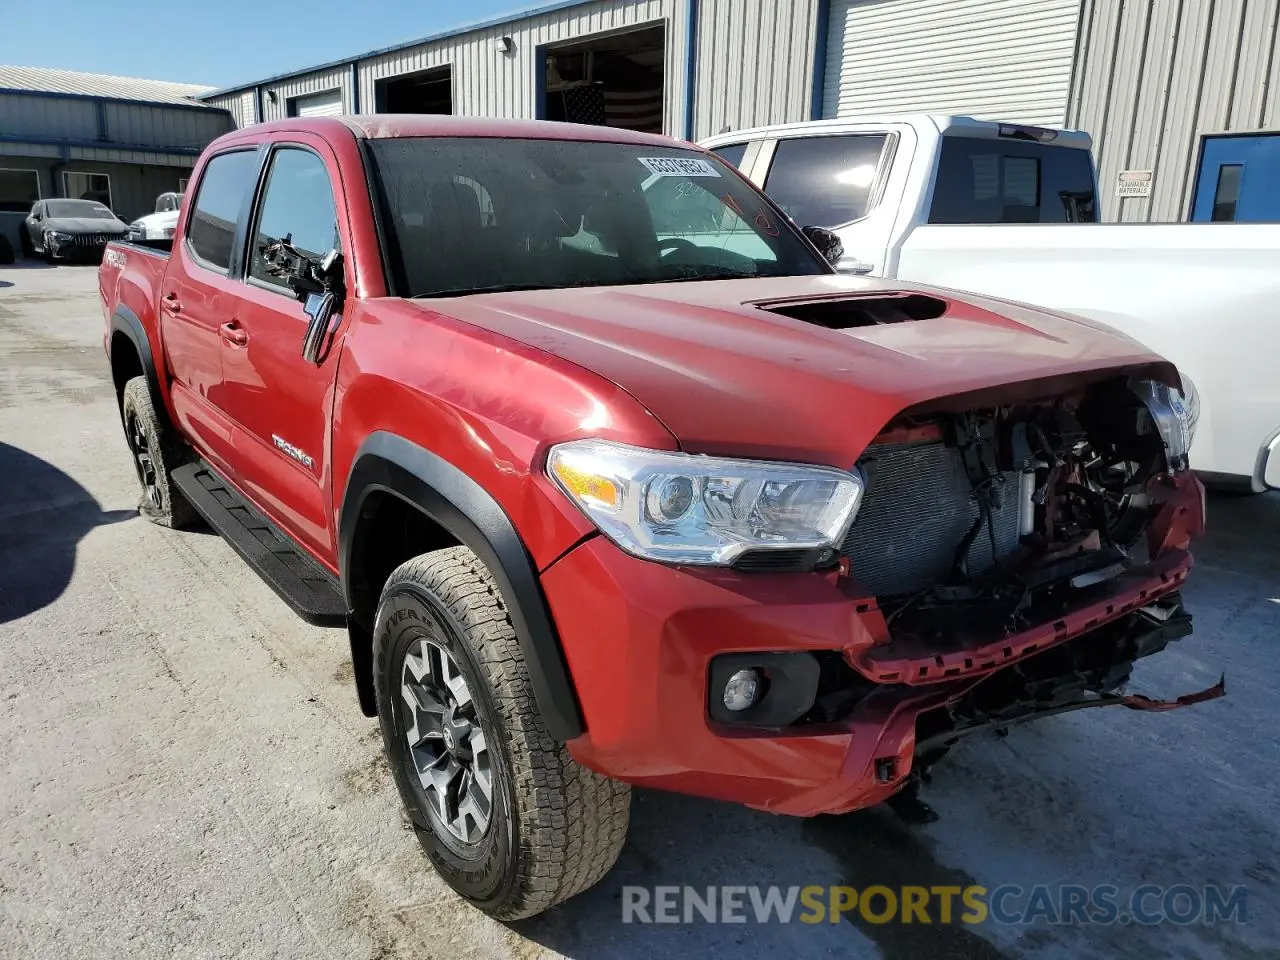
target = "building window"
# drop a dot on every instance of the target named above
(87, 186)
(19, 190)
(1228, 192)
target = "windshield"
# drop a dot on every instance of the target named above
(86, 209)
(471, 215)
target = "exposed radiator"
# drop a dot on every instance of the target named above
(917, 508)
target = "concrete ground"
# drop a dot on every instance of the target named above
(186, 772)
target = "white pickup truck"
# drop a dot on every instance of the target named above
(1011, 212)
(161, 224)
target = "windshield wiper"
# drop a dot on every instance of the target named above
(719, 274)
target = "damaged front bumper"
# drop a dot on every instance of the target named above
(646, 645)
(1084, 673)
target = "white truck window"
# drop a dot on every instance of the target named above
(1012, 181)
(825, 181)
(731, 153)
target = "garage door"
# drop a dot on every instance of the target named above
(327, 104)
(995, 59)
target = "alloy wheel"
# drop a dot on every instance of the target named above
(446, 741)
(143, 461)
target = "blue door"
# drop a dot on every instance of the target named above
(1239, 180)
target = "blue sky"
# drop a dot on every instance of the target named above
(223, 42)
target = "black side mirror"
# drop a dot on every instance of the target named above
(319, 308)
(827, 242)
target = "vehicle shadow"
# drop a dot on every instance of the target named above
(682, 841)
(44, 514)
(1070, 800)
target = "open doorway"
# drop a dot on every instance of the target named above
(429, 91)
(615, 80)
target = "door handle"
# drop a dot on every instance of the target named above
(171, 304)
(234, 334)
(856, 267)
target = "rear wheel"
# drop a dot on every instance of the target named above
(155, 455)
(506, 816)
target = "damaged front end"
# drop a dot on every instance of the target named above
(1022, 556)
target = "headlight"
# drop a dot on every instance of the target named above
(1176, 413)
(680, 508)
(60, 236)
(169, 232)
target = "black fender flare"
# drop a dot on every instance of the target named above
(126, 322)
(389, 463)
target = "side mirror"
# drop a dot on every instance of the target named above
(319, 308)
(827, 242)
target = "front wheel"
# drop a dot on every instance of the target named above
(504, 813)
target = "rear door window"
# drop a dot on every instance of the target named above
(221, 195)
(1011, 181)
(825, 181)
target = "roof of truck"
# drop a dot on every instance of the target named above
(381, 126)
(945, 123)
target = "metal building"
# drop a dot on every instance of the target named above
(1189, 91)
(114, 139)
(1155, 81)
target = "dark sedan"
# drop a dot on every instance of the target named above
(63, 229)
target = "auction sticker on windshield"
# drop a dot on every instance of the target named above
(678, 167)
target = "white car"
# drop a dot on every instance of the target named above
(161, 224)
(1010, 211)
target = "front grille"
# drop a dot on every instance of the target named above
(916, 511)
(92, 239)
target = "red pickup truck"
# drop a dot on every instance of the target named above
(613, 480)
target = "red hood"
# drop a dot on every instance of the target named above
(727, 376)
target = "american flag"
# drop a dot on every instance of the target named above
(601, 105)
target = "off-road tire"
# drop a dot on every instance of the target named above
(556, 828)
(166, 452)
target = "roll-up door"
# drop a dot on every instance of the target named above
(994, 59)
(327, 104)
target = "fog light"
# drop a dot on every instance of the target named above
(742, 690)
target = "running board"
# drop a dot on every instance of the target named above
(311, 591)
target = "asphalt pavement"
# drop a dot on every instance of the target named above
(185, 771)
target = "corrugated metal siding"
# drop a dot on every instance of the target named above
(99, 85)
(338, 78)
(996, 59)
(239, 105)
(487, 83)
(134, 187)
(755, 63)
(48, 117)
(157, 127)
(1153, 76)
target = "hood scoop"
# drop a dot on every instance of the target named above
(846, 313)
